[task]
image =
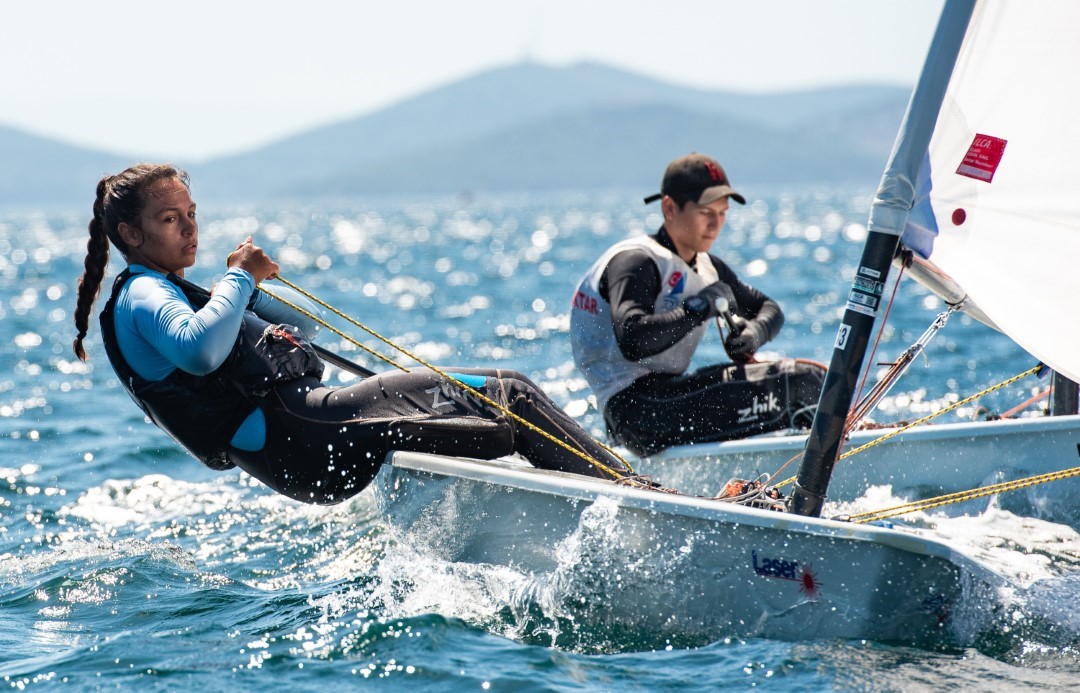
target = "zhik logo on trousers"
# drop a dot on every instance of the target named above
(758, 407)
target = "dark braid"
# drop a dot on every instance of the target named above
(97, 259)
(120, 199)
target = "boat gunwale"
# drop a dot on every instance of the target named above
(1010, 427)
(516, 475)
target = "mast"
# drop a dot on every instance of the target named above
(1066, 397)
(888, 216)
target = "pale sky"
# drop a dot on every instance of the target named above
(202, 78)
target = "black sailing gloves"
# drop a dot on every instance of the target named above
(744, 338)
(714, 300)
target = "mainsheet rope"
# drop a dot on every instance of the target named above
(633, 478)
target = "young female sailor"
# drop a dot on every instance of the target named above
(236, 390)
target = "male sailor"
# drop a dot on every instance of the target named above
(643, 308)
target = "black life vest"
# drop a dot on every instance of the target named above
(202, 412)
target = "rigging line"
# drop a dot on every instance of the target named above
(333, 329)
(350, 320)
(877, 342)
(632, 477)
(850, 423)
(327, 355)
(949, 408)
(898, 368)
(784, 466)
(906, 427)
(961, 496)
(862, 406)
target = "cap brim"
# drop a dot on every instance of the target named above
(720, 191)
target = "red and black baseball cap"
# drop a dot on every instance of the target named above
(698, 178)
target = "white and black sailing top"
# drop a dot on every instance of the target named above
(627, 318)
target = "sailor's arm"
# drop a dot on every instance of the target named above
(632, 283)
(194, 341)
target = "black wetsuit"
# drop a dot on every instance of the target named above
(714, 403)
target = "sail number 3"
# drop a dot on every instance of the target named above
(842, 336)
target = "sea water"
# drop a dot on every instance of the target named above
(125, 563)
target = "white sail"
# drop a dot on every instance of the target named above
(998, 195)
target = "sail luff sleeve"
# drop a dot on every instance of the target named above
(896, 192)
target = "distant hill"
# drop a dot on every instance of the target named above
(35, 170)
(523, 127)
(625, 147)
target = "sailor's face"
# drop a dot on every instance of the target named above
(694, 228)
(167, 236)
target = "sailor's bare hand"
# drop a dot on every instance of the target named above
(254, 259)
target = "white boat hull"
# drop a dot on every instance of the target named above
(670, 566)
(919, 463)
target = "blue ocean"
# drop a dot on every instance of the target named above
(125, 564)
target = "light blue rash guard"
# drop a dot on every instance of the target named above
(159, 331)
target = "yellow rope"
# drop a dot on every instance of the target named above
(961, 496)
(913, 424)
(330, 327)
(480, 395)
(947, 409)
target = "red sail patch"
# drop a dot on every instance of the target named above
(982, 158)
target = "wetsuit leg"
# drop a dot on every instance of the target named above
(524, 398)
(325, 444)
(717, 403)
(428, 392)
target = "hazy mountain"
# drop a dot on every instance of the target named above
(488, 106)
(35, 170)
(618, 147)
(522, 127)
